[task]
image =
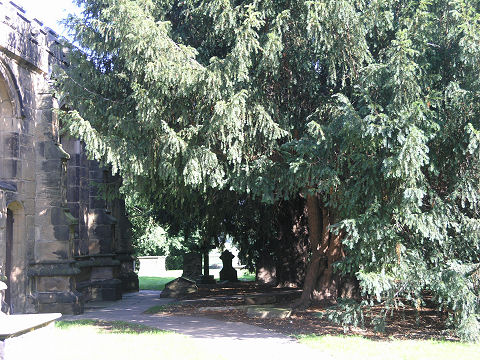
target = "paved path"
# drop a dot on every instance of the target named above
(234, 340)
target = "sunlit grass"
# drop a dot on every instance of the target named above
(355, 347)
(158, 283)
(121, 340)
(153, 283)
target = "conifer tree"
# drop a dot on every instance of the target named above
(369, 110)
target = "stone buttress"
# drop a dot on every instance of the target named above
(59, 241)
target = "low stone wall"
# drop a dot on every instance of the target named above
(152, 266)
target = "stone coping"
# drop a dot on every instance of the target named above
(16, 325)
(87, 256)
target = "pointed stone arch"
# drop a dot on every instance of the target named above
(10, 95)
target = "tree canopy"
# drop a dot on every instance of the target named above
(368, 110)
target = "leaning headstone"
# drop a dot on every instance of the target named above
(178, 288)
(228, 273)
(192, 265)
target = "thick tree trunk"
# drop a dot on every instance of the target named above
(318, 237)
(320, 281)
(327, 286)
(291, 247)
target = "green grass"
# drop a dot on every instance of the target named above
(158, 283)
(153, 283)
(355, 347)
(245, 275)
(122, 341)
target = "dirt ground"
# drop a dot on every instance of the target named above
(408, 323)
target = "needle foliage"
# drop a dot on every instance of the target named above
(373, 106)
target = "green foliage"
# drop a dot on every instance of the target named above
(150, 238)
(347, 312)
(372, 105)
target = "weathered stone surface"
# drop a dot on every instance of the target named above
(206, 280)
(272, 297)
(46, 186)
(268, 312)
(178, 288)
(192, 265)
(106, 290)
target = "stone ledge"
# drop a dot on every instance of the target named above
(100, 260)
(16, 325)
(53, 269)
(26, 336)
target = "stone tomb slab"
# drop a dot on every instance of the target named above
(271, 297)
(26, 336)
(256, 311)
(268, 312)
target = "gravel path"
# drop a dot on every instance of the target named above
(233, 340)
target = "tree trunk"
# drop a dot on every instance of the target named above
(320, 281)
(291, 247)
(328, 284)
(317, 237)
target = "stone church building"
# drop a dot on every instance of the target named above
(61, 243)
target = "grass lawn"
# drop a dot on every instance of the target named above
(120, 340)
(158, 283)
(153, 283)
(354, 347)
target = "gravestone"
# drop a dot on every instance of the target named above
(228, 273)
(178, 288)
(192, 265)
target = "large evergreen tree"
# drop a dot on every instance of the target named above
(369, 110)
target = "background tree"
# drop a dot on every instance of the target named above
(366, 110)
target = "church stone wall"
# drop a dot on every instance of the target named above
(63, 250)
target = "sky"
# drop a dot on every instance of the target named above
(49, 11)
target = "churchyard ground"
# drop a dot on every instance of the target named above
(356, 347)
(158, 283)
(114, 340)
(121, 340)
